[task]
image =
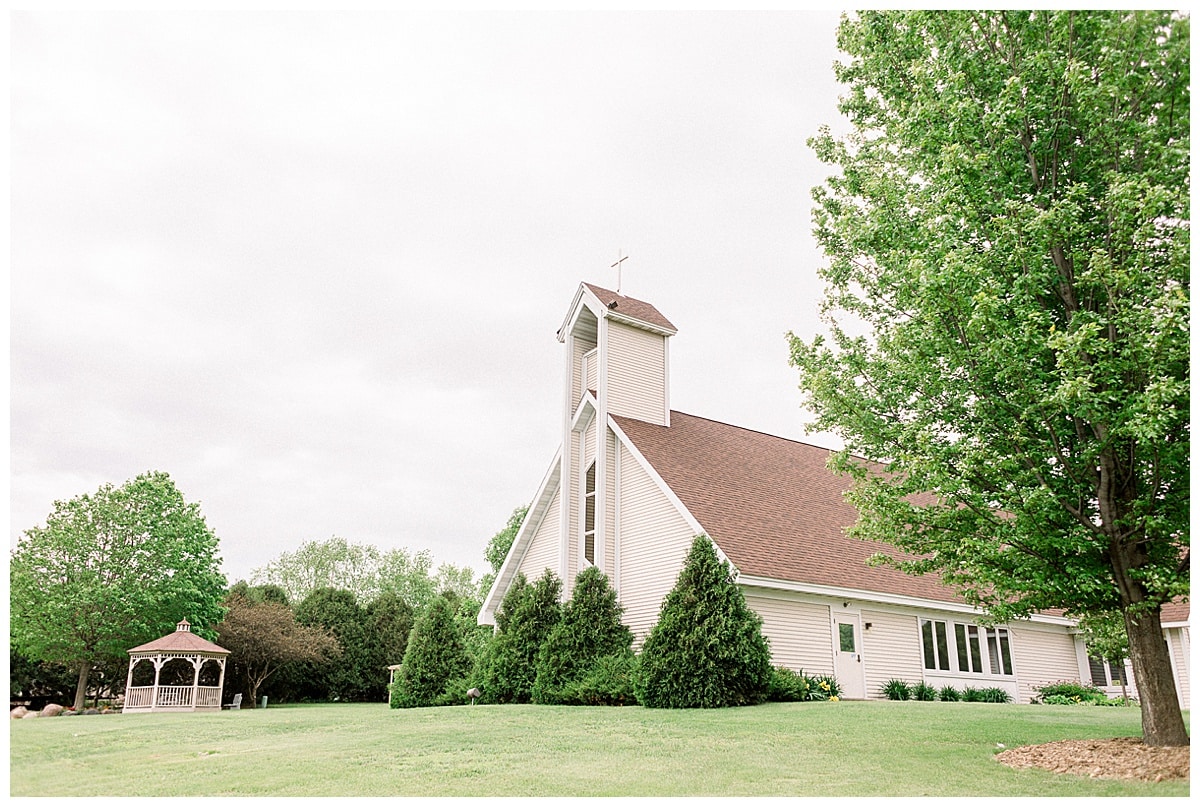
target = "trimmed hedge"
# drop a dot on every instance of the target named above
(707, 649)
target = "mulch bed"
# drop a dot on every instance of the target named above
(1119, 758)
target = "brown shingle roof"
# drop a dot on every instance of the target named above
(1176, 611)
(771, 504)
(181, 641)
(631, 308)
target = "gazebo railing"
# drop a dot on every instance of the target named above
(208, 697)
(172, 698)
(139, 697)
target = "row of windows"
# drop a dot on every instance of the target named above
(965, 648)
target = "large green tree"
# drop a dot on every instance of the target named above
(355, 675)
(263, 637)
(365, 571)
(111, 570)
(1008, 294)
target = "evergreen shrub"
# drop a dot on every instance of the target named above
(527, 615)
(590, 629)
(707, 649)
(608, 682)
(435, 656)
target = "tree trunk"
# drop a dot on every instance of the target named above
(1162, 717)
(85, 667)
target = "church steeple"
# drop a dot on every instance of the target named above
(616, 363)
(617, 350)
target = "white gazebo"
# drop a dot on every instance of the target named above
(185, 667)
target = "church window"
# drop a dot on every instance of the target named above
(589, 515)
(936, 646)
(967, 640)
(999, 653)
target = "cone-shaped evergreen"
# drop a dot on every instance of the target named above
(590, 629)
(434, 657)
(526, 617)
(707, 649)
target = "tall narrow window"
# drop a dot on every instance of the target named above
(966, 638)
(999, 654)
(1099, 675)
(589, 515)
(935, 644)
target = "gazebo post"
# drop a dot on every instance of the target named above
(197, 662)
(157, 662)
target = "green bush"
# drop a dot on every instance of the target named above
(590, 629)
(1116, 702)
(896, 690)
(949, 693)
(608, 682)
(707, 649)
(972, 695)
(924, 692)
(787, 686)
(994, 695)
(527, 615)
(1069, 692)
(435, 656)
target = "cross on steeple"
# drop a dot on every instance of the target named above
(617, 266)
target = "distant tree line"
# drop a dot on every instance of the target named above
(120, 567)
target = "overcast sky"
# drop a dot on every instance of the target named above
(312, 264)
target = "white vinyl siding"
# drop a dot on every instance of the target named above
(637, 373)
(572, 487)
(655, 538)
(1179, 643)
(799, 632)
(542, 553)
(580, 346)
(610, 503)
(889, 649)
(1041, 656)
(586, 448)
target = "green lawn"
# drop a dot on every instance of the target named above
(794, 749)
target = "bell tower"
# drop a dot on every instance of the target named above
(616, 364)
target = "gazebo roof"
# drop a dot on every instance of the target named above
(181, 641)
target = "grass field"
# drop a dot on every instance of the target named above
(792, 749)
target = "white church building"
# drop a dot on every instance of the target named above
(634, 482)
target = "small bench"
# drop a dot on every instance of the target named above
(237, 702)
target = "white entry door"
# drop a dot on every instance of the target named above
(847, 655)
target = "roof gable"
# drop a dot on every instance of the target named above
(771, 504)
(613, 305)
